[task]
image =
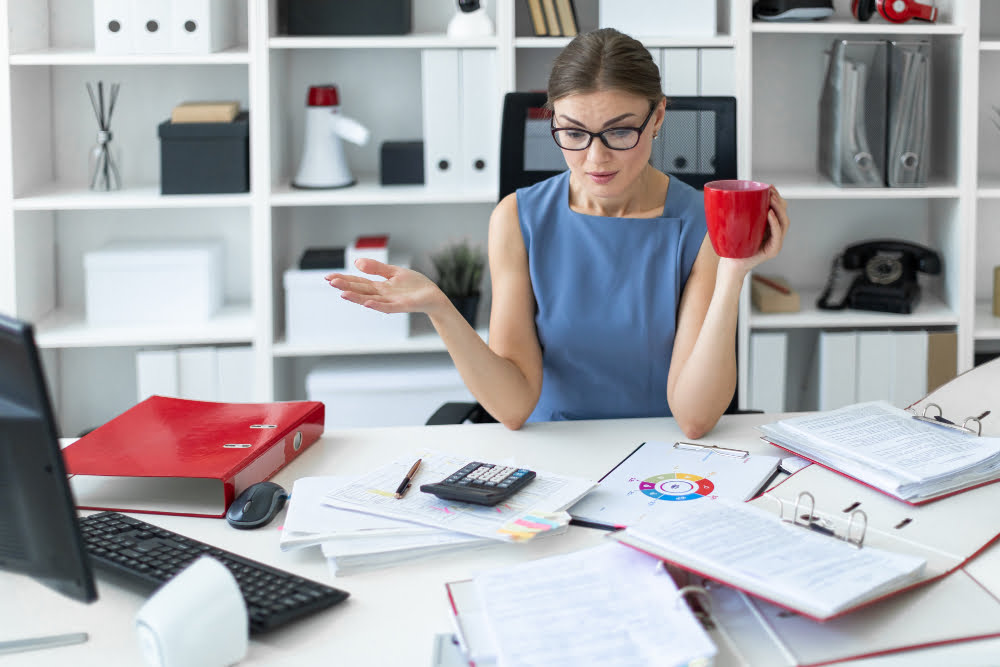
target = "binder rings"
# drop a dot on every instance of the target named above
(176, 456)
(945, 535)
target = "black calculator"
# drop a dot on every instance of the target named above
(481, 483)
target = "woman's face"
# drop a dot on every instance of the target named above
(602, 171)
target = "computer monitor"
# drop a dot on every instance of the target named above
(39, 534)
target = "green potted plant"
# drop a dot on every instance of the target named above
(459, 269)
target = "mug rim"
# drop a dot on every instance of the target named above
(744, 185)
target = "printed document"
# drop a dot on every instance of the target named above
(883, 446)
(606, 605)
(751, 549)
(535, 509)
(660, 474)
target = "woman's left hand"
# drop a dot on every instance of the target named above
(777, 227)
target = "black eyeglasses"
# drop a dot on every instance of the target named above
(615, 138)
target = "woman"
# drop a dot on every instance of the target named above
(608, 299)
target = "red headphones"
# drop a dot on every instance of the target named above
(896, 11)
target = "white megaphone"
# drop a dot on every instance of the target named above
(323, 163)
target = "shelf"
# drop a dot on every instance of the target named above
(234, 56)
(850, 26)
(368, 191)
(59, 197)
(818, 186)
(719, 41)
(418, 342)
(411, 41)
(986, 326)
(69, 329)
(989, 187)
(990, 44)
(930, 312)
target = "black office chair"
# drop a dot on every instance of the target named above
(697, 144)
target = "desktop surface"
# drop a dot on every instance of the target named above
(393, 613)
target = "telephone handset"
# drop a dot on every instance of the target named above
(888, 275)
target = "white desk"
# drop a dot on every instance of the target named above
(393, 613)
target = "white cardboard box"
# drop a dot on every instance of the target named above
(153, 282)
(663, 18)
(387, 391)
(315, 313)
(163, 26)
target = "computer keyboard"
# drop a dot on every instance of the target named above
(152, 555)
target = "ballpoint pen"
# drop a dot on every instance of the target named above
(405, 484)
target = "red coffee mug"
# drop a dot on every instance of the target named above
(736, 213)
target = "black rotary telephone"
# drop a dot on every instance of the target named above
(887, 280)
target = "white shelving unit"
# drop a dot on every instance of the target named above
(50, 218)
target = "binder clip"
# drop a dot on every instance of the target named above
(805, 517)
(723, 451)
(940, 420)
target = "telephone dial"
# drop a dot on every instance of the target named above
(887, 279)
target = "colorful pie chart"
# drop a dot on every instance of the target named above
(676, 486)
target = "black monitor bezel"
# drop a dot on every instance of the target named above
(45, 519)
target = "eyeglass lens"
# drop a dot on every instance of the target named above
(615, 138)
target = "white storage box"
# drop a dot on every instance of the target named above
(177, 26)
(393, 391)
(315, 313)
(664, 18)
(153, 282)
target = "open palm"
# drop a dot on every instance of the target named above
(401, 291)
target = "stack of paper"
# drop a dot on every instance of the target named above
(361, 525)
(587, 607)
(891, 450)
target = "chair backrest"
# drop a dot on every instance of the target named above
(697, 143)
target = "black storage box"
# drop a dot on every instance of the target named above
(345, 17)
(323, 258)
(402, 163)
(205, 158)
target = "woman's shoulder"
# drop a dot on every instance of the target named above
(683, 200)
(546, 188)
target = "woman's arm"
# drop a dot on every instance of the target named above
(506, 376)
(702, 375)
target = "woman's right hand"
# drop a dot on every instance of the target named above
(402, 291)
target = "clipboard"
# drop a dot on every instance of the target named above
(657, 473)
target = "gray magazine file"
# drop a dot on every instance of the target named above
(852, 114)
(909, 112)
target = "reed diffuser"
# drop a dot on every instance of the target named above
(104, 161)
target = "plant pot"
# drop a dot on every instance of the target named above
(467, 306)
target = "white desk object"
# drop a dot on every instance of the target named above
(393, 615)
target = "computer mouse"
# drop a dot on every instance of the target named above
(257, 505)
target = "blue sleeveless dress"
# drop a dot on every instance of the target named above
(607, 292)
